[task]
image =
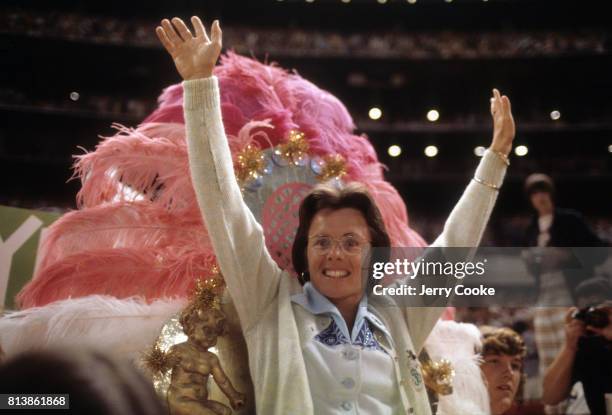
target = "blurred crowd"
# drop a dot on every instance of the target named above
(302, 42)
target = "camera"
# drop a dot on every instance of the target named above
(592, 316)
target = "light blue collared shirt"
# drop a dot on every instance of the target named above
(348, 373)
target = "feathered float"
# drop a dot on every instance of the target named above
(113, 272)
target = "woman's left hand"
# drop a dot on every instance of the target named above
(503, 123)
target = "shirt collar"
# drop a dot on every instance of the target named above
(316, 303)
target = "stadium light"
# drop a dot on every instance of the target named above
(433, 115)
(521, 151)
(375, 113)
(394, 150)
(431, 151)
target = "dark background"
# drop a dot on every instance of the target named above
(546, 55)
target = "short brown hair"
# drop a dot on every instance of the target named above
(503, 340)
(326, 196)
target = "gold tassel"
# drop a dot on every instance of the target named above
(439, 376)
(295, 149)
(334, 167)
(250, 164)
(156, 360)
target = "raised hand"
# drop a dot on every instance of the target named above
(194, 56)
(503, 123)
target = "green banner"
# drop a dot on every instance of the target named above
(20, 231)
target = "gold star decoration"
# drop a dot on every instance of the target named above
(206, 293)
(295, 149)
(439, 376)
(334, 167)
(157, 360)
(250, 164)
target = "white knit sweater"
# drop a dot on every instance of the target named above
(261, 291)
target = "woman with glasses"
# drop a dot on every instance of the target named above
(315, 345)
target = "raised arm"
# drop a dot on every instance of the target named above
(251, 275)
(468, 220)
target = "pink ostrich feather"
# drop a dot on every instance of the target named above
(170, 107)
(122, 273)
(317, 109)
(120, 225)
(254, 133)
(253, 91)
(250, 91)
(127, 235)
(132, 164)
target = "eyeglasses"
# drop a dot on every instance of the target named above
(350, 245)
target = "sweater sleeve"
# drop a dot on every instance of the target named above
(468, 220)
(251, 275)
(463, 228)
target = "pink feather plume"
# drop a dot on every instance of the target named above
(138, 164)
(122, 273)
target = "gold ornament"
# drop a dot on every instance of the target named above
(439, 376)
(214, 270)
(157, 360)
(295, 149)
(250, 164)
(206, 294)
(334, 167)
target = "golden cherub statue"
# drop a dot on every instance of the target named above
(191, 363)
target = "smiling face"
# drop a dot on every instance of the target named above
(502, 374)
(334, 272)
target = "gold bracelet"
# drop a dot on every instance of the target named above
(502, 156)
(484, 183)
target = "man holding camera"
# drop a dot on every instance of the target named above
(586, 355)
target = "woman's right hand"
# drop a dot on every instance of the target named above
(194, 56)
